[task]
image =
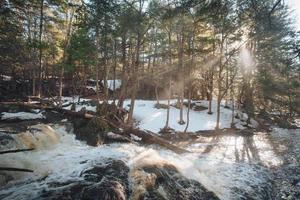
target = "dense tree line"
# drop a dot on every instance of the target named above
(242, 52)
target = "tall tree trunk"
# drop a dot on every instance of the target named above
(61, 76)
(105, 69)
(135, 80)
(33, 82)
(124, 72)
(135, 70)
(232, 107)
(168, 109)
(156, 94)
(227, 85)
(114, 71)
(40, 48)
(97, 65)
(211, 84)
(181, 65)
(211, 79)
(83, 83)
(31, 57)
(220, 71)
(170, 81)
(188, 111)
(218, 113)
(189, 71)
(69, 20)
(219, 81)
(155, 66)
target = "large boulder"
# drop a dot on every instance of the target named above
(104, 181)
(96, 131)
(155, 182)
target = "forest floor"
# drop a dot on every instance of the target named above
(265, 165)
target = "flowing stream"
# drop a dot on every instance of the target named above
(233, 167)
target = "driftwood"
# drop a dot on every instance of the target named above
(15, 169)
(147, 136)
(15, 151)
(152, 138)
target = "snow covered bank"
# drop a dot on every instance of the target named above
(150, 118)
(21, 115)
(153, 119)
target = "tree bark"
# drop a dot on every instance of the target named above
(41, 48)
(124, 76)
(69, 20)
(181, 70)
(114, 71)
(168, 109)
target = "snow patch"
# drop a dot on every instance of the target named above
(110, 84)
(135, 138)
(5, 78)
(22, 116)
(150, 118)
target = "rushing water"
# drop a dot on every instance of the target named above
(233, 167)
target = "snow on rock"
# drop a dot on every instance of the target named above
(254, 123)
(110, 84)
(91, 88)
(5, 78)
(21, 116)
(79, 107)
(135, 138)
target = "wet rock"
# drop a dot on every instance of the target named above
(65, 191)
(199, 108)
(5, 178)
(161, 106)
(5, 141)
(112, 180)
(287, 185)
(105, 181)
(105, 190)
(96, 132)
(111, 137)
(165, 182)
(92, 131)
(167, 131)
(115, 169)
(53, 117)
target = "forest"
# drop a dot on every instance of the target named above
(149, 99)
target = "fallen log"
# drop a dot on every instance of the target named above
(147, 136)
(15, 151)
(50, 108)
(12, 169)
